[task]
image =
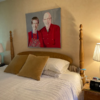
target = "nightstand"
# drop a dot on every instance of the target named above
(2, 64)
(90, 94)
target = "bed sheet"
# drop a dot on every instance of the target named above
(66, 87)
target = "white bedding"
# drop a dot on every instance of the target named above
(13, 87)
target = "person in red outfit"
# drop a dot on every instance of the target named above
(34, 36)
(50, 33)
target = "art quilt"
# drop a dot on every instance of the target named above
(44, 29)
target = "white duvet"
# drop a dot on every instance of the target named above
(13, 87)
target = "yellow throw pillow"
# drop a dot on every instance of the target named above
(33, 67)
(16, 64)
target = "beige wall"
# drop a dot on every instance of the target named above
(73, 13)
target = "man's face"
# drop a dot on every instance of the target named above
(34, 24)
(47, 20)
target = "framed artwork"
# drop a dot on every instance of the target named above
(43, 29)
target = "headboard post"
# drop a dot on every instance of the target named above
(11, 46)
(81, 51)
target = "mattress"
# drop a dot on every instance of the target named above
(67, 87)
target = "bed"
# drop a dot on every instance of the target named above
(13, 87)
(67, 86)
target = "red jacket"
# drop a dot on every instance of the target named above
(39, 36)
(51, 38)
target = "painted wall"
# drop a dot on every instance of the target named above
(73, 13)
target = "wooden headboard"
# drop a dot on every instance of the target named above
(52, 54)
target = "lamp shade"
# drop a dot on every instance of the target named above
(96, 55)
(1, 48)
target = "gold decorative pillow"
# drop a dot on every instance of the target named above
(16, 64)
(33, 67)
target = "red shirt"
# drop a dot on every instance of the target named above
(51, 38)
(34, 36)
(35, 40)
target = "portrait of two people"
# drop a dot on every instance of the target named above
(46, 37)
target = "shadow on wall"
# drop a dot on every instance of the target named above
(70, 36)
(89, 46)
(8, 46)
(7, 56)
(2, 60)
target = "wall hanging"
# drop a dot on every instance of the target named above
(43, 28)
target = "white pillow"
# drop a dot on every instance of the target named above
(54, 74)
(51, 73)
(56, 65)
(65, 70)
